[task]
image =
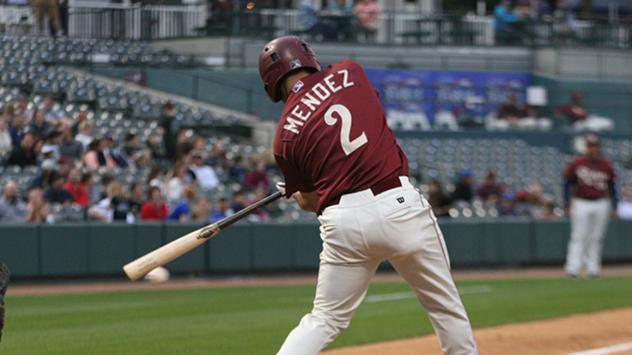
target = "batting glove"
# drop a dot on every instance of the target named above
(280, 186)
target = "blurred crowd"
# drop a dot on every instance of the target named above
(76, 168)
(493, 197)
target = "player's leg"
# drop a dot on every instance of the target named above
(343, 278)
(423, 262)
(601, 214)
(577, 243)
(340, 290)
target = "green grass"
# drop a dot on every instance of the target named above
(256, 320)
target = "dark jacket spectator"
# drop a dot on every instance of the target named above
(169, 126)
(24, 155)
(69, 147)
(155, 208)
(490, 190)
(463, 190)
(56, 193)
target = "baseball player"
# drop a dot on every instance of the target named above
(341, 161)
(589, 198)
(4, 283)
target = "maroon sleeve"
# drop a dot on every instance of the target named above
(293, 181)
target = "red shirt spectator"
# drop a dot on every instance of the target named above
(155, 208)
(77, 189)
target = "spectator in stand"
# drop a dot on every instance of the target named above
(154, 209)
(136, 198)
(12, 209)
(221, 210)
(56, 193)
(39, 125)
(120, 204)
(51, 113)
(69, 147)
(154, 144)
(95, 159)
(84, 135)
(16, 130)
(463, 190)
(201, 211)
(579, 118)
(41, 181)
(155, 178)
(132, 150)
(88, 181)
(438, 199)
(179, 180)
(506, 207)
(182, 211)
(23, 110)
(170, 128)
(50, 149)
(204, 174)
(114, 207)
(504, 22)
(5, 138)
(184, 145)
(50, 10)
(37, 210)
(510, 113)
(367, 13)
(490, 190)
(238, 202)
(566, 22)
(624, 207)
(24, 155)
(110, 152)
(258, 177)
(236, 170)
(77, 188)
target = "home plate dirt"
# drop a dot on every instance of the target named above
(600, 331)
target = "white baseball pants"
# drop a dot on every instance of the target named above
(360, 232)
(589, 220)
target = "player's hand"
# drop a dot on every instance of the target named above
(280, 186)
(614, 215)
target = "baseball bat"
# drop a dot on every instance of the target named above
(168, 252)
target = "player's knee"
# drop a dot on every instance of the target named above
(332, 322)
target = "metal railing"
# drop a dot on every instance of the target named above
(115, 21)
(120, 21)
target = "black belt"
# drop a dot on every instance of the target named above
(389, 183)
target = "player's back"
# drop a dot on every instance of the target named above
(333, 131)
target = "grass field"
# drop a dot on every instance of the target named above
(255, 320)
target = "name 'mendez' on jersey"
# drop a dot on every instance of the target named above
(333, 138)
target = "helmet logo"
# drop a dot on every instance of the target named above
(295, 63)
(299, 84)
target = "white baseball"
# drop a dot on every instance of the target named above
(158, 275)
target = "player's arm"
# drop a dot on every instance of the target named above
(306, 200)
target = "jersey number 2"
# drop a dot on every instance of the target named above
(348, 146)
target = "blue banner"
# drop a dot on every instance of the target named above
(426, 92)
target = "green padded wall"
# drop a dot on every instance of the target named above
(109, 247)
(193, 261)
(64, 250)
(231, 250)
(19, 248)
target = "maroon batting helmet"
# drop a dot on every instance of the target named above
(281, 57)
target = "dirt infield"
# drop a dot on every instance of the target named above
(556, 336)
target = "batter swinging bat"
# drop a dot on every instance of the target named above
(166, 253)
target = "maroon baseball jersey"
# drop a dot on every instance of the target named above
(590, 177)
(332, 137)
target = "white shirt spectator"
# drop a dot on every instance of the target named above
(175, 188)
(205, 176)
